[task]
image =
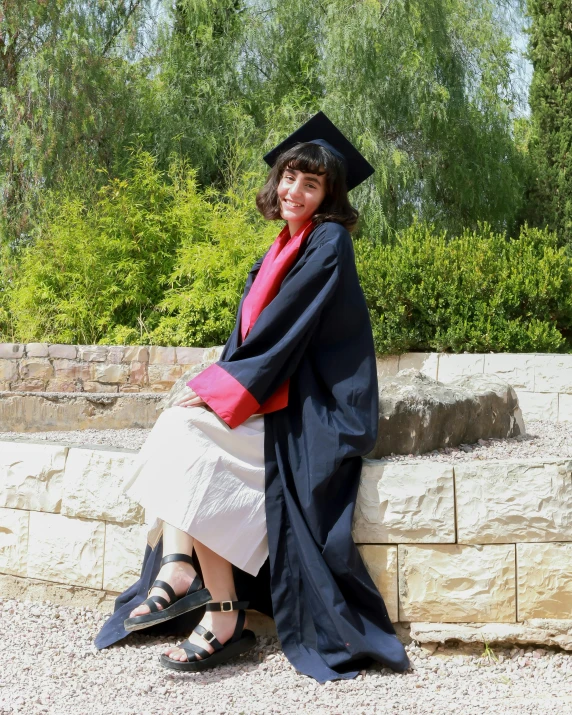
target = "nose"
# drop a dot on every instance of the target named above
(296, 187)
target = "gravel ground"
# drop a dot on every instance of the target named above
(50, 666)
(543, 439)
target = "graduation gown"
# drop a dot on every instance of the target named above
(316, 332)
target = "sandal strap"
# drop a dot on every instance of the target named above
(239, 627)
(157, 599)
(209, 637)
(150, 603)
(167, 588)
(193, 650)
(176, 557)
(227, 606)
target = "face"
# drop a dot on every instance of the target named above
(300, 195)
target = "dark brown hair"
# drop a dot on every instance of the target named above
(311, 159)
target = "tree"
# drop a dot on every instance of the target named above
(551, 104)
(67, 70)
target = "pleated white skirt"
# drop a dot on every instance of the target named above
(202, 477)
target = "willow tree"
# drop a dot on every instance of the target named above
(67, 72)
(551, 105)
(422, 86)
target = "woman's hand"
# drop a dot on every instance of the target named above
(191, 400)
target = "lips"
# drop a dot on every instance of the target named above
(292, 205)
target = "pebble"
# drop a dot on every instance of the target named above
(543, 438)
(128, 679)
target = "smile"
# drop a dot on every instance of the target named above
(291, 203)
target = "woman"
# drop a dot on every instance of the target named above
(257, 469)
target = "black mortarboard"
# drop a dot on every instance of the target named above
(320, 130)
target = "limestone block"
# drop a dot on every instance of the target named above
(92, 353)
(538, 405)
(31, 475)
(36, 368)
(124, 548)
(73, 370)
(552, 373)
(138, 373)
(453, 366)
(114, 374)
(11, 351)
(129, 388)
(162, 356)
(405, 503)
(65, 352)
(426, 363)
(514, 500)
(546, 632)
(544, 580)
(381, 562)
(8, 369)
(92, 486)
(38, 350)
(82, 410)
(457, 583)
(64, 385)
(99, 387)
(4, 386)
(387, 366)
(189, 356)
(14, 541)
(115, 354)
(516, 369)
(66, 550)
(564, 408)
(29, 386)
(164, 376)
(29, 589)
(136, 353)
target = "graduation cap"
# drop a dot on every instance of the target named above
(320, 130)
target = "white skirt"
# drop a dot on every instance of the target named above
(206, 479)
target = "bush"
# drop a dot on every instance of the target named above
(152, 260)
(479, 292)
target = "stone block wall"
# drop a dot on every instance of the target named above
(543, 382)
(487, 542)
(41, 367)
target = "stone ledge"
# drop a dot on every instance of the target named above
(538, 631)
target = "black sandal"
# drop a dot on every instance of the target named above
(240, 642)
(195, 597)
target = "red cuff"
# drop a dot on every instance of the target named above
(232, 402)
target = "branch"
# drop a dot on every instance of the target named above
(133, 6)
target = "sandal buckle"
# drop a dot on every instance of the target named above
(223, 604)
(207, 638)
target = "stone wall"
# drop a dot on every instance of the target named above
(486, 542)
(543, 382)
(40, 367)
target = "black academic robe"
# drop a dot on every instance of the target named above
(330, 618)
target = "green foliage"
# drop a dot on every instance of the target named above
(421, 86)
(94, 271)
(479, 292)
(550, 200)
(151, 259)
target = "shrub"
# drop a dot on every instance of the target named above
(479, 292)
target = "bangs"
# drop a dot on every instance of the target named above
(310, 159)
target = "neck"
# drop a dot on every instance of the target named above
(295, 226)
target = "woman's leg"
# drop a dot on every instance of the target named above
(178, 574)
(218, 578)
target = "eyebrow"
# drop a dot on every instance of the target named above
(311, 177)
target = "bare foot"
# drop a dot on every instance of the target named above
(219, 623)
(179, 575)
